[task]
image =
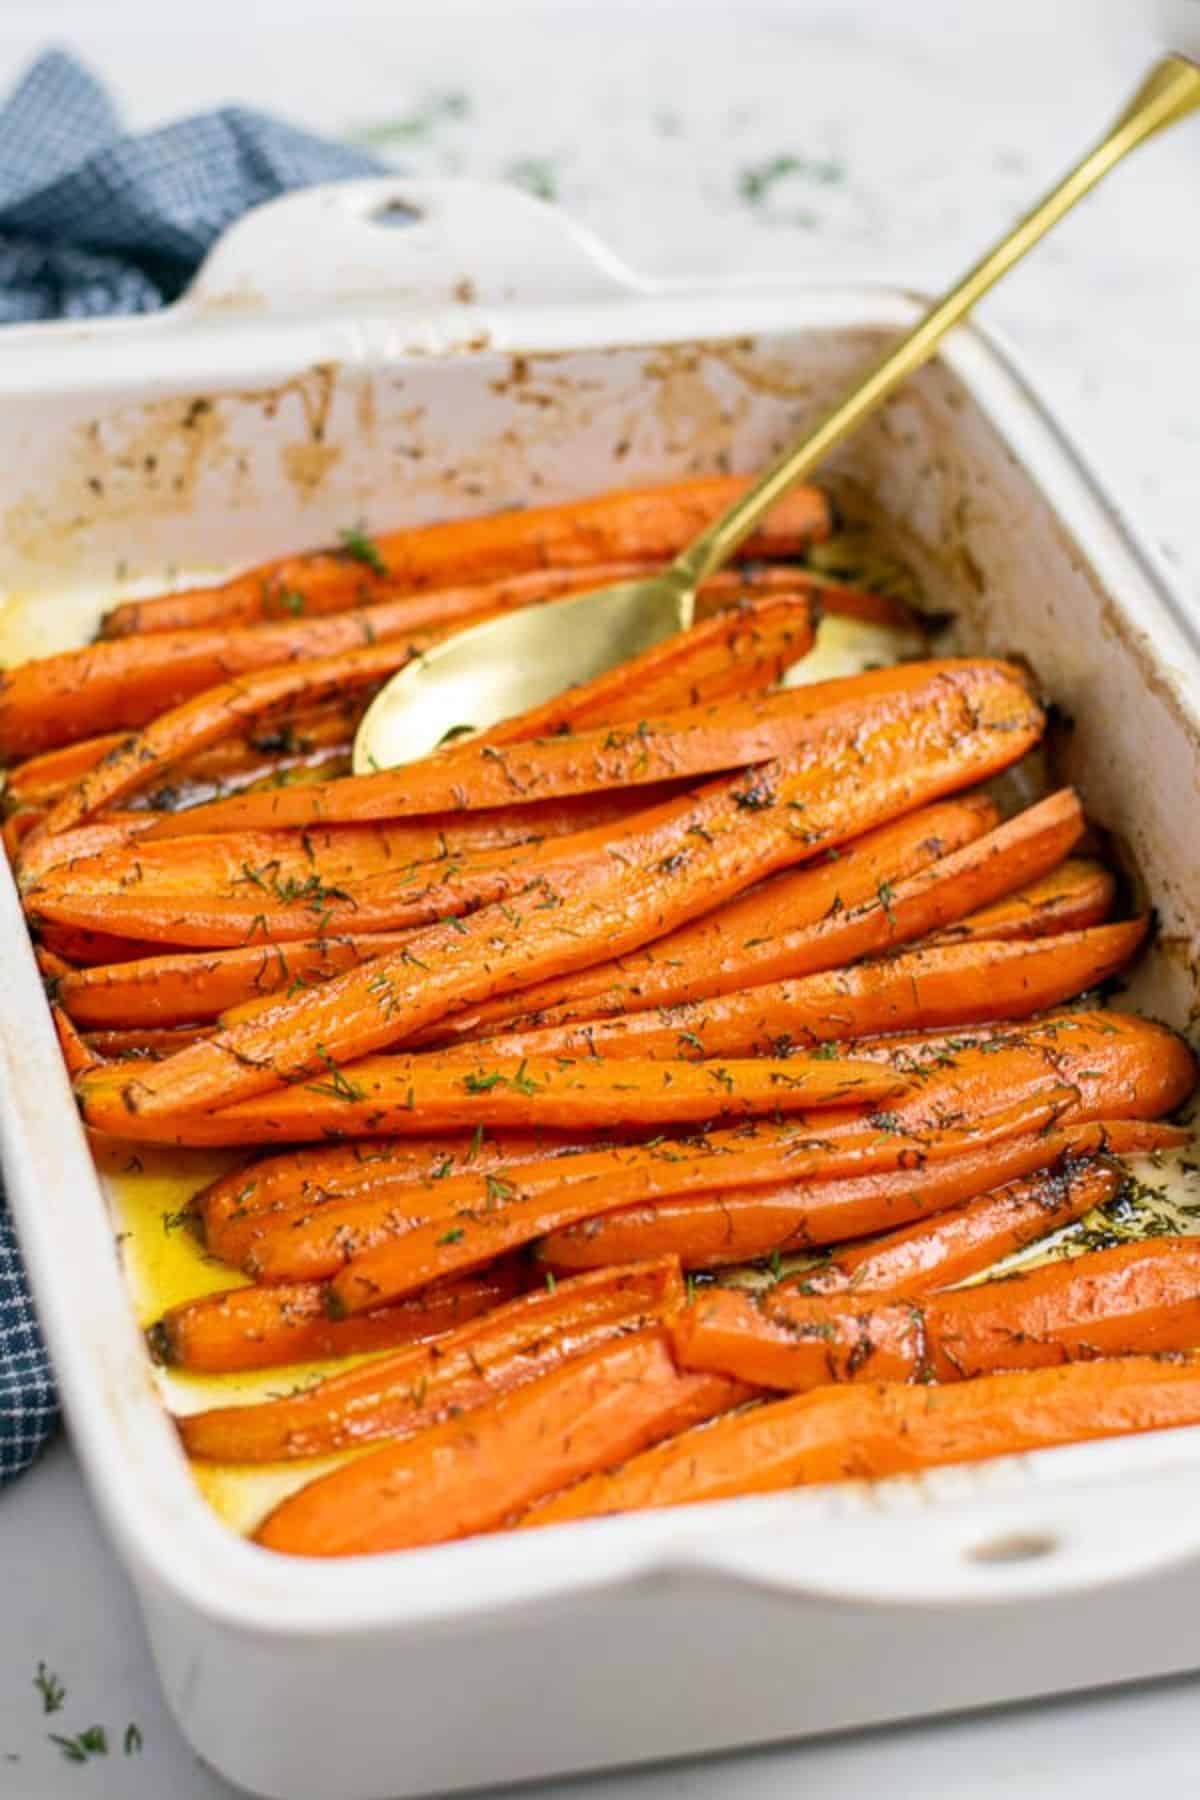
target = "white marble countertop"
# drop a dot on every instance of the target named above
(857, 139)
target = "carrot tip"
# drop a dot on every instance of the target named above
(159, 1342)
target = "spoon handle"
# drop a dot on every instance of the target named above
(1169, 92)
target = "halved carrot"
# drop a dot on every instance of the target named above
(43, 856)
(864, 1433)
(663, 868)
(758, 939)
(1076, 894)
(647, 524)
(85, 948)
(273, 866)
(43, 778)
(18, 827)
(261, 1328)
(301, 1179)
(471, 1475)
(174, 988)
(127, 681)
(1134, 1297)
(217, 713)
(315, 1235)
(713, 1231)
(934, 987)
(686, 744)
(396, 1396)
(740, 650)
(401, 1095)
(157, 1041)
(76, 1054)
(950, 1246)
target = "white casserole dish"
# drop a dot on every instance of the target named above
(324, 368)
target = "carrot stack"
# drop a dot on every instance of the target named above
(539, 1055)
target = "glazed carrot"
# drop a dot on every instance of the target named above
(663, 868)
(123, 850)
(143, 1040)
(51, 968)
(759, 938)
(270, 909)
(639, 525)
(314, 1239)
(299, 1180)
(17, 829)
(127, 681)
(44, 777)
(76, 1054)
(313, 740)
(399, 1095)
(174, 988)
(217, 713)
(692, 742)
(926, 988)
(471, 1475)
(1114, 1066)
(260, 1328)
(396, 1396)
(1077, 894)
(743, 649)
(867, 1432)
(712, 1231)
(89, 947)
(1136, 1296)
(950, 1246)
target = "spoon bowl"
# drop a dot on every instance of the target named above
(516, 661)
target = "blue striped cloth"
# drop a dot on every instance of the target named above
(95, 221)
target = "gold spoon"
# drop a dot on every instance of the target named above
(494, 670)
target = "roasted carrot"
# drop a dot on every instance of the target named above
(174, 988)
(639, 525)
(217, 713)
(686, 744)
(932, 987)
(1112, 1066)
(123, 851)
(740, 650)
(950, 1246)
(260, 1328)
(43, 778)
(301, 1179)
(18, 827)
(1137, 1296)
(1077, 894)
(143, 1040)
(401, 1095)
(276, 1237)
(662, 869)
(127, 681)
(712, 1231)
(350, 878)
(471, 1475)
(867, 1432)
(396, 1396)
(88, 947)
(759, 938)
(76, 1054)
(41, 856)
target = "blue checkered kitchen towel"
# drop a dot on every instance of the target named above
(94, 221)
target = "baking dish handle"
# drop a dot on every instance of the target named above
(1046, 1540)
(405, 244)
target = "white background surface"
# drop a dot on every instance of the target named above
(919, 130)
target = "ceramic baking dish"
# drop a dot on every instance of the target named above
(328, 366)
